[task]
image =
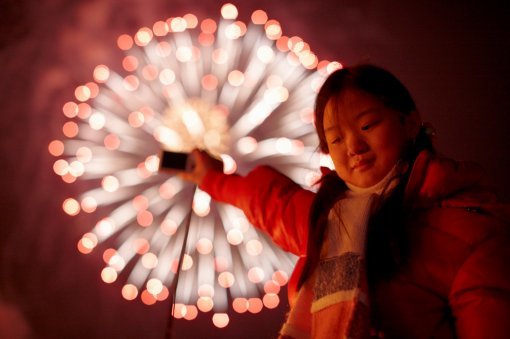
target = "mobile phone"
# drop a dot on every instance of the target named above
(174, 160)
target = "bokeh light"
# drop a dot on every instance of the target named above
(220, 320)
(244, 92)
(240, 305)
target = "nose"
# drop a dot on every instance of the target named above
(356, 144)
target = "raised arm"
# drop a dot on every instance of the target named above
(271, 201)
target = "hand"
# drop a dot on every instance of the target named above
(202, 162)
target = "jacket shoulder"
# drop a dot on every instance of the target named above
(443, 182)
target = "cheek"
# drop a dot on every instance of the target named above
(340, 159)
(389, 145)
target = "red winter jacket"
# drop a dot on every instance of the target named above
(457, 281)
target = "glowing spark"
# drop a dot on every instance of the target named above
(243, 92)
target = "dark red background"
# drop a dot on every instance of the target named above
(453, 58)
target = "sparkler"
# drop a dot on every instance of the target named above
(243, 92)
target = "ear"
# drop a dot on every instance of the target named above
(412, 124)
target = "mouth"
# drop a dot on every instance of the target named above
(363, 165)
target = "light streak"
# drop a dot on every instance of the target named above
(243, 92)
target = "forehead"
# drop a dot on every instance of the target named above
(349, 106)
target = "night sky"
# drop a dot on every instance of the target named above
(453, 58)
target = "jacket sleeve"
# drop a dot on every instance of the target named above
(271, 202)
(480, 294)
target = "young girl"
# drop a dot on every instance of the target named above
(397, 242)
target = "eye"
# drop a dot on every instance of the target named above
(371, 124)
(336, 140)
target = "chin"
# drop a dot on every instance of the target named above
(366, 182)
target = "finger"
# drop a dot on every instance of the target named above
(188, 176)
(198, 157)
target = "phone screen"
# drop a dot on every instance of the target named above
(174, 160)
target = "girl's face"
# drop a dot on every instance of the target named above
(365, 138)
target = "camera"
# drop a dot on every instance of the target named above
(174, 160)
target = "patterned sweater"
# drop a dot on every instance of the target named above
(337, 289)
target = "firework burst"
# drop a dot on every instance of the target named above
(243, 92)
